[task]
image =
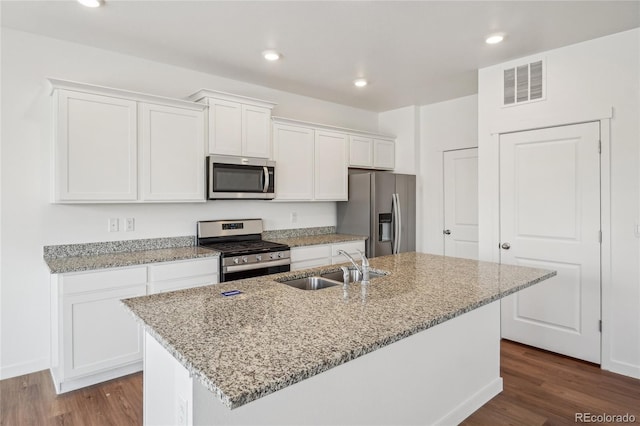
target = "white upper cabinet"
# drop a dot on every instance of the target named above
(172, 144)
(225, 127)
(113, 145)
(311, 163)
(360, 151)
(331, 158)
(384, 154)
(371, 153)
(95, 148)
(238, 125)
(293, 151)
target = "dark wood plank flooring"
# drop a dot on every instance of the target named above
(540, 388)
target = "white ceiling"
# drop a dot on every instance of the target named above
(412, 52)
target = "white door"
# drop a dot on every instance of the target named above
(550, 218)
(461, 203)
(225, 127)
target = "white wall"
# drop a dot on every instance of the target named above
(28, 220)
(444, 126)
(583, 82)
(403, 123)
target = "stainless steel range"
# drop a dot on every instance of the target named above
(244, 253)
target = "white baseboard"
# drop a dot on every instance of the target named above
(623, 368)
(470, 405)
(69, 385)
(22, 368)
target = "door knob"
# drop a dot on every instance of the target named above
(447, 232)
(506, 246)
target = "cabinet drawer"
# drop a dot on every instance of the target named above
(296, 266)
(349, 247)
(300, 254)
(100, 280)
(184, 269)
(172, 285)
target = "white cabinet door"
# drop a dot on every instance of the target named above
(293, 153)
(97, 333)
(256, 131)
(95, 149)
(331, 166)
(384, 154)
(172, 153)
(360, 151)
(225, 127)
(310, 256)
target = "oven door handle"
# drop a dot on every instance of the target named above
(265, 170)
(238, 268)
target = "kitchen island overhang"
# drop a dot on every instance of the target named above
(271, 336)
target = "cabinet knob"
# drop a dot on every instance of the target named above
(505, 246)
(447, 232)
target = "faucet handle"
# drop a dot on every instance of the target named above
(345, 274)
(365, 261)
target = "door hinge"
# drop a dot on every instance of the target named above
(600, 326)
(600, 237)
(599, 147)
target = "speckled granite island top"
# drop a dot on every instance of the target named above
(311, 240)
(272, 335)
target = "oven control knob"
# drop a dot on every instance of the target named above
(280, 255)
(273, 256)
(244, 259)
(236, 260)
(259, 257)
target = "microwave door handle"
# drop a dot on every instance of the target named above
(265, 170)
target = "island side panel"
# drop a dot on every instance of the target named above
(167, 388)
(438, 376)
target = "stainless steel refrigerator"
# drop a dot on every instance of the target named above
(381, 205)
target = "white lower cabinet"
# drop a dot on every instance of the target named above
(93, 337)
(323, 254)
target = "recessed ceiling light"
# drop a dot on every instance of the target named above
(494, 38)
(90, 3)
(360, 82)
(271, 55)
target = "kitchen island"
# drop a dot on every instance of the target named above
(419, 345)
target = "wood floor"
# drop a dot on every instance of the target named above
(540, 388)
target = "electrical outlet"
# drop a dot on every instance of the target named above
(130, 224)
(181, 415)
(294, 217)
(114, 224)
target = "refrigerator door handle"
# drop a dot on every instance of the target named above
(399, 223)
(394, 220)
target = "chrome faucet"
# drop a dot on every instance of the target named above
(364, 269)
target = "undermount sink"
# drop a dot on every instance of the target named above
(354, 275)
(311, 283)
(328, 279)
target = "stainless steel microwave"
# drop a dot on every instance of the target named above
(240, 178)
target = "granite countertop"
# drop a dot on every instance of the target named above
(272, 335)
(59, 265)
(311, 240)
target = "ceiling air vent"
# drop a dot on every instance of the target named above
(524, 83)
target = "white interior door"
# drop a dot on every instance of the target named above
(550, 218)
(461, 203)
